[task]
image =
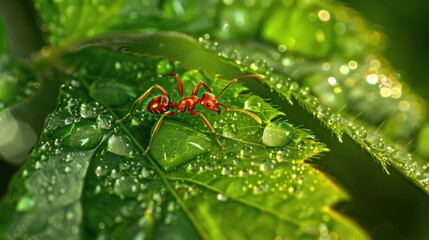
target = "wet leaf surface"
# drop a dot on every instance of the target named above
(84, 164)
(319, 55)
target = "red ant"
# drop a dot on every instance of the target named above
(162, 104)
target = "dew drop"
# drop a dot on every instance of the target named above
(378, 144)
(278, 134)
(221, 197)
(126, 186)
(38, 165)
(105, 121)
(146, 173)
(176, 144)
(25, 203)
(229, 130)
(120, 144)
(266, 167)
(246, 151)
(70, 215)
(89, 110)
(80, 135)
(115, 174)
(68, 158)
(68, 120)
(226, 171)
(283, 155)
(100, 171)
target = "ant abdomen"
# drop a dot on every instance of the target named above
(158, 105)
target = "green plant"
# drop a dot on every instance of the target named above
(86, 176)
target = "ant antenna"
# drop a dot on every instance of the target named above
(236, 79)
(243, 111)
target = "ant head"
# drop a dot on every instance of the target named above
(209, 101)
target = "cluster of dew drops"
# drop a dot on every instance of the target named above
(288, 89)
(130, 179)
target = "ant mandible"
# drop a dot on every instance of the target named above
(162, 104)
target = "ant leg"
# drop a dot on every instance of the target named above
(197, 87)
(155, 130)
(209, 126)
(142, 97)
(243, 111)
(179, 82)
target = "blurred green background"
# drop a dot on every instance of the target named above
(406, 25)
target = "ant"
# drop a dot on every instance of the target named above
(162, 105)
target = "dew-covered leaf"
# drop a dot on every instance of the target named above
(88, 175)
(333, 68)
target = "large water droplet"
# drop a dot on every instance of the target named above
(278, 134)
(120, 144)
(80, 135)
(177, 143)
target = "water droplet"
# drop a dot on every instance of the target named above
(68, 120)
(123, 166)
(278, 134)
(115, 174)
(246, 151)
(266, 167)
(120, 144)
(221, 197)
(80, 135)
(293, 86)
(378, 144)
(283, 155)
(126, 186)
(89, 110)
(176, 143)
(101, 171)
(38, 165)
(229, 130)
(105, 121)
(67, 169)
(68, 158)
(25, 203)
(70, 215)
(226, 171)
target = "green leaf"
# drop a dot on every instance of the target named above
(85, 164)
(316, 54)
(352, 91)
